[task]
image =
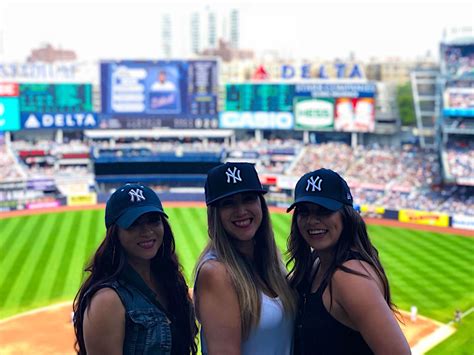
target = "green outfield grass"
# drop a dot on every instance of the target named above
(42, 257)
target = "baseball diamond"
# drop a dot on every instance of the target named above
(43, 255)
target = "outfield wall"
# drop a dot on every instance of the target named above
(429, 218)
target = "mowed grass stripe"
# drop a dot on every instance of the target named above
(58, 291)
(9, 227)
(72, 281)
(187, 226)
(418, 267)
(414, 260)
(56, 264)
(94, 237)
(42, 270)
(281, 229)
(34, 238)
(18, 243)
(87, 225)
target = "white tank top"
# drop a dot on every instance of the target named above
(274, 333)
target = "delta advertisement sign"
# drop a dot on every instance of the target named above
(56, 106)
(46, 106)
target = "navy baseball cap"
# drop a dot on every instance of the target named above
(229, 179)
(129, 202)
(323, 187)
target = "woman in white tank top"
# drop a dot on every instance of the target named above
(241, 295)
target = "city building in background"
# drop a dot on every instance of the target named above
(166, 36)
(212, 30)
(48, 54)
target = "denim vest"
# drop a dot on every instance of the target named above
(147, 328)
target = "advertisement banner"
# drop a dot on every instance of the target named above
(355, 115)
(56, 106)
(37, 120)
(9, 114)
(462, 221)
(9, 89)
(335, 90)
(314, 114)
(256, 120)
(159, 93)
(82, 200)
(424, 217)
(43, 204)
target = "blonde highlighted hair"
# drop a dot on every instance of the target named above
(267, 266)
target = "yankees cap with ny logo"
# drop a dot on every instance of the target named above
(129, 202)
(323, 187)
(231, 178)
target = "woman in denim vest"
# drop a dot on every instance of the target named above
(135, 299)
(242, 298)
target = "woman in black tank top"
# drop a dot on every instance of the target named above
(345, 304)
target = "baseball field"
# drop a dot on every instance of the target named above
(43, 255)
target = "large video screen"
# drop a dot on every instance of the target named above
(56, 106)
(345, 106)
(149, 94)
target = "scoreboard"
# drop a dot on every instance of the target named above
(259, 97)
(152, 94)
(55, 98)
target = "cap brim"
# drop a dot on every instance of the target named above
(127, 219)
(259, 191)
(322, 201)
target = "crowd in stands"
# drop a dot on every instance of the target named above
(460, 160)
(397, 178)
(9, 168)
(45, 158)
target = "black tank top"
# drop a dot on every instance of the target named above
(318, 332)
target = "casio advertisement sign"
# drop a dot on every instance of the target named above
(256, 120)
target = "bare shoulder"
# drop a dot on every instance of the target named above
(213, 274)
(105, 302)
(365, 277)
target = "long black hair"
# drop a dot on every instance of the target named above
(106, 265)
(354, 236)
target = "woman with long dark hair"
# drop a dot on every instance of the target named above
(242, 297)
(346, 306)
(135, 299)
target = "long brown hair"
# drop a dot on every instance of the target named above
(106, 265)
(267, 265)
(354, 236)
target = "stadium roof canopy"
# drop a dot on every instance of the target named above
(158, 133)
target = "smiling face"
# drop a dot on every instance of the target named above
(321, 228)
(241, 215)
(144, 237)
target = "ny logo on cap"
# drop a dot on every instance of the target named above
(136, 193)
(314, 183)
(234, 175)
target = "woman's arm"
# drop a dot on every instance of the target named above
(104, 324)
(218, 309)
(363, 302)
